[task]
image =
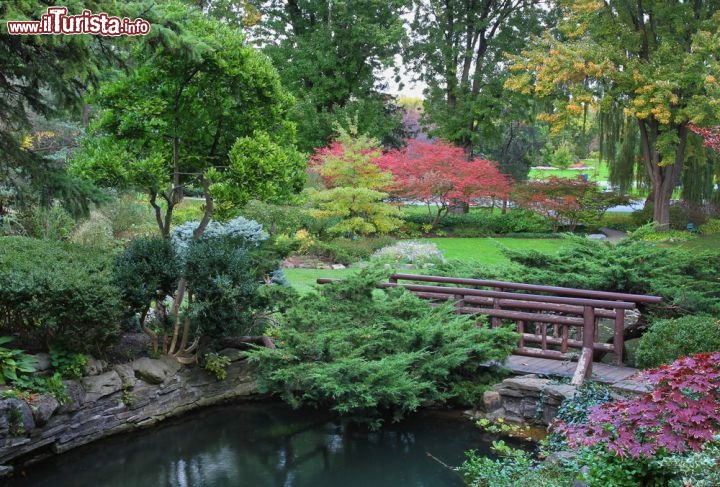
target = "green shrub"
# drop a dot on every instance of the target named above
(69, 365)
(14, 362)
(481, 222)
(512, 467)
(58, 294)
(348, 251)
(563, 156)
(710, 227)
(280, 219)
(618, 221)
(649, 233)
(367, 353)
(147, 270)
(687, 281)
(669, 339)
(96, 231)
(217, 365)
(53, 223)
(129, 216)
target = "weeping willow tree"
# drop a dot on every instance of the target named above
(701, 173)
(620, 147)
(658, 61)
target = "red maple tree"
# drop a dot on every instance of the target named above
(711, 135)
(436, 172)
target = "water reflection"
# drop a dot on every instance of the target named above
(269, 445)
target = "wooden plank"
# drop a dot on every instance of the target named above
(605, 373)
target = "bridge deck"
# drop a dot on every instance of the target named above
(622, 378)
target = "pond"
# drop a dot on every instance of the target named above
(261, 444)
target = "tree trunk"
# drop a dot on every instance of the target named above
(664, 175)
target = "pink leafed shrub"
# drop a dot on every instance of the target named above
(680, 414)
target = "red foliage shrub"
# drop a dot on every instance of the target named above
(680, 414)
(711, 135)
(441, 174)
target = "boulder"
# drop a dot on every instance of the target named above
(76, 393)
(155, 371)
(491, 401)
(18, 416)
(94, 366)
(43, 362)
(43, 407)
(101, 385)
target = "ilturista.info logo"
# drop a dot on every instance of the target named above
(57, 21)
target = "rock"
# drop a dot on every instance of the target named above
(597, 236)
(559, 456)
(5, 470)
(94, 366)
(526, 383)
(126, 373)
(20, 419)
(232, 353)
(43, 407)
(155, 371)
(491, 401)
(337, 267)
(76, 393)
(557, 393)
(43, 362)
(101, 385)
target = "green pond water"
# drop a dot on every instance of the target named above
(261, 444)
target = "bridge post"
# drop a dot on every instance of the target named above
(585, 362)
(619, 337)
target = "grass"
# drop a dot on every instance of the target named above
(485, 250)
(600, 172)
(489, 250)
(303, 280)
(703, 242)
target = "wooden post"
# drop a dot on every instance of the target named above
(496, 305)
(619, 338)
(584, 366)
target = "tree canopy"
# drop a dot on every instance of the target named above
(172, 120)
(655, 61)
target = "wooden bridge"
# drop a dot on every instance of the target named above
(556, 324)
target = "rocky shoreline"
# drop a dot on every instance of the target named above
(113, 400)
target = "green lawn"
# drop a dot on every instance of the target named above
(489, 250)
(703, 242)
(485, 250)
(598, 173)
(304, 279)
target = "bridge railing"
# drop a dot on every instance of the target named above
(551, 321)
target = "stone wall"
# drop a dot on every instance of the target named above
(113, 400)
(526, 399)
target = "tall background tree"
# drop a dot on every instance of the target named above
(654, 61)
(330, 55)
(457, 50)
